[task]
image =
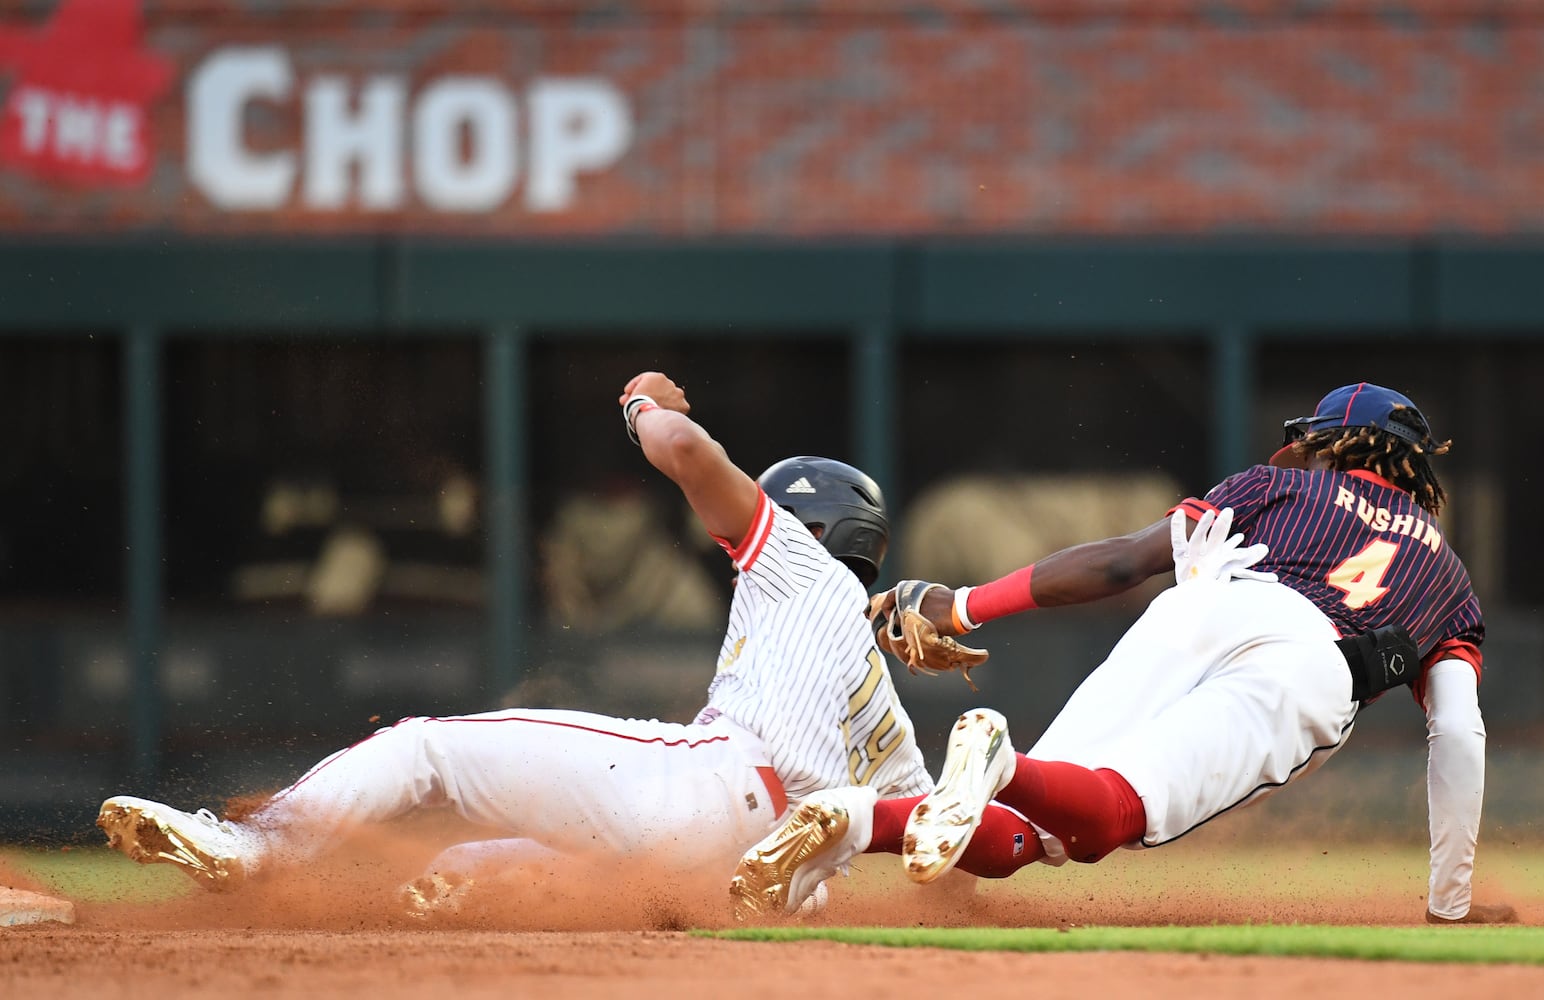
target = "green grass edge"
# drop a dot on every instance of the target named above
(1481, 945)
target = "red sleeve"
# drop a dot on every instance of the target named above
(1192, 507)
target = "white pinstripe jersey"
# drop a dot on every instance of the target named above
(799, 667)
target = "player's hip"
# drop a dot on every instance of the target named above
(1217, 620)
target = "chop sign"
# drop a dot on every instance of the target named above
(463, 143)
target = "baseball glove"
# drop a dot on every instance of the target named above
(903, 631)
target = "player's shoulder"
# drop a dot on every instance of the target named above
(789, 554)
(1250, 480)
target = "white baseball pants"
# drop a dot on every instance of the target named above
(687, 796)
(1221, 693)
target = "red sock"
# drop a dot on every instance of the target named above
(1090, 812)
(1001, 845)
(890, 816)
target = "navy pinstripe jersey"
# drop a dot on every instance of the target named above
(1362, 550)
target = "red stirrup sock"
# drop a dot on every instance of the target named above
(1001, 845)
(1090, 812)
(890, 816)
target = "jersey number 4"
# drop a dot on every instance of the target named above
(1361, 576)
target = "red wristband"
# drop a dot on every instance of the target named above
(1005, 596)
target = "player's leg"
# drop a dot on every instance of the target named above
(1002, 842)
(453, 874)
(576, 782)
(823, 833)
(1272, 702)
(1216, 693)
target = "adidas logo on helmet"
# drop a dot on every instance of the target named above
(840, 505)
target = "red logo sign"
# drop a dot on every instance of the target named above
(81, 89)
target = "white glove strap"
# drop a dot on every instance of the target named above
(961, 602)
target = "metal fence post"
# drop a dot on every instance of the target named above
(143, 579)
(873, 413)
(1233, 356)
(504, 437)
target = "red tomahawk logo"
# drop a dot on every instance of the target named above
(81, 89)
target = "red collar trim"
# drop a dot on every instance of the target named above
(1374, 478)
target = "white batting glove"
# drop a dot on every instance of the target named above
(1209, 554)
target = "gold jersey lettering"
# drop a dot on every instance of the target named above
(734, 654)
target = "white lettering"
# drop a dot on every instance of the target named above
(1402, 524)
(1364, 510)
(336, 141)
(33, 106)
(1344, 497)
(121, 146)
(481, 110)
(76, 124)
(580, 124)
(219, 164)
(1433, 539)
(1380, 520)
(466, 144)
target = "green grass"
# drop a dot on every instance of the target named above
(1524, 945)
(96, 875)
(1260, 877)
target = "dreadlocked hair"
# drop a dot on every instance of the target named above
(1405, 465)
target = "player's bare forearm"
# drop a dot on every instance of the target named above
(1074, 575)
(723, 497)
(1095, 570)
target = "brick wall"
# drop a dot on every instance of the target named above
(951, 117)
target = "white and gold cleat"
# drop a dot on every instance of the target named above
(434, 897)
(214, 853)
(790, 864)
(980, 761)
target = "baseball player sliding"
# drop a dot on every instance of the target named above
(1231, 685)
(802, 701)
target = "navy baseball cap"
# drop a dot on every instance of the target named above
(1360, 404)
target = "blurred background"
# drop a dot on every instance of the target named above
(313, 317)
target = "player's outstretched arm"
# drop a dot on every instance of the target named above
(1074, 575)
(1455, 788)
(655, 409)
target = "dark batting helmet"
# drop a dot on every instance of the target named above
(839, 504)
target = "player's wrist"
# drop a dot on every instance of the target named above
(636, 404)
(1005, 596)
(960, 613)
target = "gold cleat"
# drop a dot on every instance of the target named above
(432, 897)
(198, 843)
(787, 867)
(979, 763)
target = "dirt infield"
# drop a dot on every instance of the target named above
(65, 964)
(337, 931)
